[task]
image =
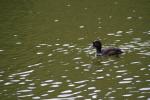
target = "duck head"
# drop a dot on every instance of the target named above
(98, 45)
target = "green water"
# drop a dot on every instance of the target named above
(45, 49)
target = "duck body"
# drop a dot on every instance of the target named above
(111, 51)
(105, 51)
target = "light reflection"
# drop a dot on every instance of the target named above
(36, 98)
(43, 95)
(129, 18)
(80, 86)
(1, 50)
(34, 65)
(141, 97)
(64, 95)
(127, 95)
(82, 26)
(121, 71)
(80, 82)
(91, 88)
(23, 96)
(127, 79)
(1, 80)
(40, 53)
(125, 82)
(145, 89)
(8, 83)
(25, 91)
(67, 91)
(50, 91)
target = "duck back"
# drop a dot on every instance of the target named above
(111, 51)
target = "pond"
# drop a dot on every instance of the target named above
(45, 50)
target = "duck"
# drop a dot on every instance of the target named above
(105, 51)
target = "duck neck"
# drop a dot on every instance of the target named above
(98, 50)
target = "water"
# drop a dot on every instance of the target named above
(45, 55)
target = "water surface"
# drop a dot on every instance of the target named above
(45, 54)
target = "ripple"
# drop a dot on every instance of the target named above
(119, 32)
(25, 91)
(97, 91)
(36, 98)
(129, 32)
(124, 82)
(100, 70)
(57, 44)
(14, 81)
(49, 81)
(141, 97)
(146, 53)
(129, 18)
(77, 58)
(31, 88)
(43, 44)
(34, 65)
(68, 5)
(18, 43)
(1, 80)
(65, 95)
(127, 95)
(127, 79)
(86, 65)
(102, 77)
(121, 71)
(40, 53)
(66, 45)
(56, 20)
(50, 54)
(25, 72)
(21, 74)
(145, 89)
(59, 98)
(80, 82)
(1, 50)
(91, 88)
(55, 84)
(108, 93)
(147, 80)
(82, 26)
(136, 62)
(71, 85)
(44, 84)
(8, 83)
(143, 69)
(148, 32)
(67, 91)
(23, 96)
(80, 86)
(50, 91)
(81, 38)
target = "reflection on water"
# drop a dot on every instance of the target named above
(45, 50)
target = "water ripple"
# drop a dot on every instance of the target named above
(34, 65)
(124, 82)
(80, 82)
(145, 89)
(127, 95)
